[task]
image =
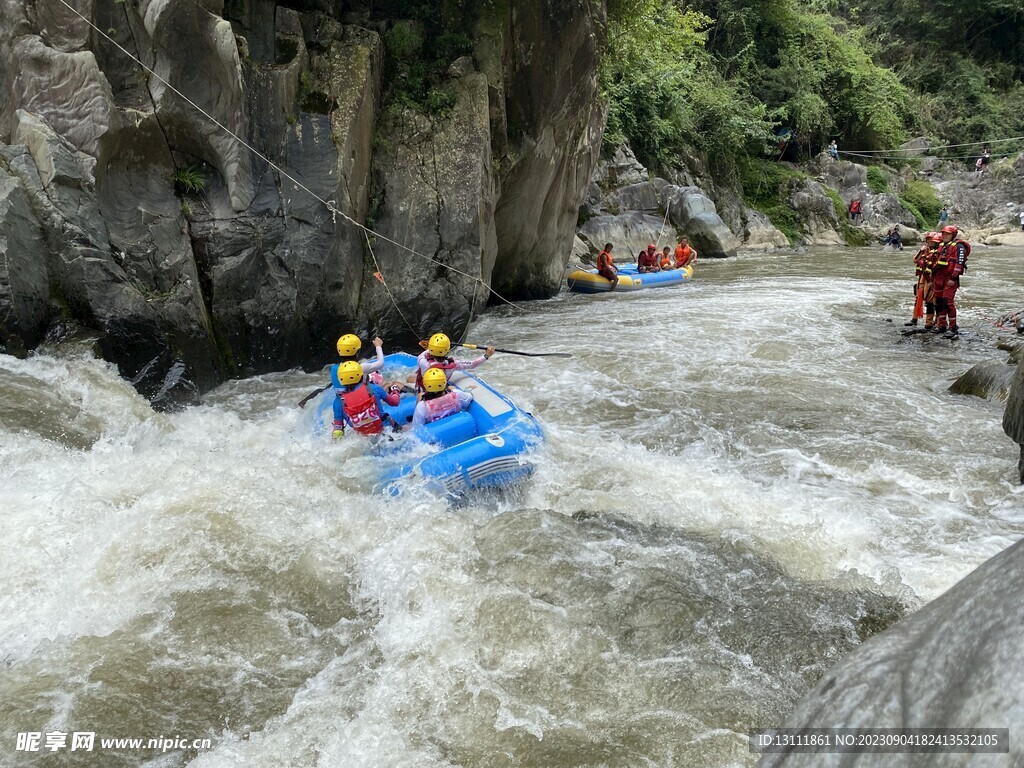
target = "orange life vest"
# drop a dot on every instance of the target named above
(683, 255)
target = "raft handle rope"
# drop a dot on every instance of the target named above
(298, 184)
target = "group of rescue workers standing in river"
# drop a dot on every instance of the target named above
(648, 260)
(938, 266)
(360, 395)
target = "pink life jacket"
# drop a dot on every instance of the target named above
(445, 405)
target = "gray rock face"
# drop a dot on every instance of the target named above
(1013, 416)
(629, 232)
(956, 662)
(760, 234)
(24, 277)
(436, 190)
(250, 270)
(547, 170)
(989, 380)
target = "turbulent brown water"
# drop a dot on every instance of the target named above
(743, 477)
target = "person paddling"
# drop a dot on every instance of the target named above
(436, 356)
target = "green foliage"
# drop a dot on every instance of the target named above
(965, 59)
(813, 71)
(665, 93)
(189, 180)
(877, 181)
(766, 187)
(418, 49)
(439, 102)
(920, 199)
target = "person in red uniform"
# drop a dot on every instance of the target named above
(924, 301)
(647, 261)
(606, 266)
(684, 253)
(950, 263)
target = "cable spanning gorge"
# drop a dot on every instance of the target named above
(743, 478)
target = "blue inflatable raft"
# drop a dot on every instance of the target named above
(484, 446)
(588, 281)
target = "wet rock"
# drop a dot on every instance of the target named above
(1015, 238)
(956, 661)
(1013, 416)
(989, 380)
(24, 276)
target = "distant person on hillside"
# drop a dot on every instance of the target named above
(856, 211)
(647, 261)
(943, 217)
(982, 162)
(1022, 220)
(606, 266)
(833, 150)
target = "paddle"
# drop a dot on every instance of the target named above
(311, 395)
(425, 344)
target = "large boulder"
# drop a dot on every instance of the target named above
(760, 234)
(817, 212)
(1013, 416)
(954, 663)
(694, 215)
(989, 380)
(629, 233)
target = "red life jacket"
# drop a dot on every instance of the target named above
(361, 408)
(855, 206)
(441, 406)
(647, 259)
(447, 365)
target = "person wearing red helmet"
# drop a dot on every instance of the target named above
(924, 300)
(647, 261)
(950, 263)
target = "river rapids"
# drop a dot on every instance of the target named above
(743, 478)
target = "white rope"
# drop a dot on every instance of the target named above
(334, 210)
(929, 149)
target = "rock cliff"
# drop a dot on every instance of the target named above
(164, 172)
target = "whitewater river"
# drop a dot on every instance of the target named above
(742, 478)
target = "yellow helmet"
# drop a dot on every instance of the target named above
(435, 380)
(350, 373)
(439, 345)
(349, 345)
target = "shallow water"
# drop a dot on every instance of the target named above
(743, 477)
